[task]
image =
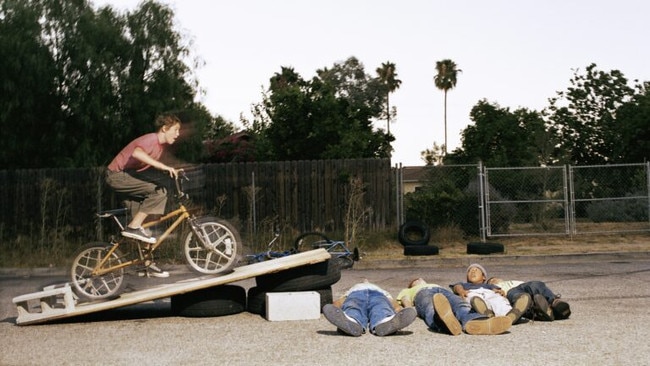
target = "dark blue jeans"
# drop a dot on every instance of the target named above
(424, 305)
(532, 288)
(367, 307)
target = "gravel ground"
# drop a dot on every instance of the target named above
(608, 294)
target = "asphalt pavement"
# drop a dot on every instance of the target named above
(608, 293)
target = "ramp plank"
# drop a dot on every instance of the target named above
(167, 290)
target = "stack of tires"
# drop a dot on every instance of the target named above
(317, 277)
(233, 299)
(213, 301)
(415, 236)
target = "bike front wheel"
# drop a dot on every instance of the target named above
(96, 287)
(218, 252)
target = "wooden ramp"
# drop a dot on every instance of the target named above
(58, 302)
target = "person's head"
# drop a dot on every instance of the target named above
(169, 127)
(476, 273)
(416, 282)
(494, 280)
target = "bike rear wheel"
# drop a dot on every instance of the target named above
(222, 249)
(90, 287)
(311, 240)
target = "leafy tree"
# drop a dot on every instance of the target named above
(388, 77)
(445, 80)
(502, 138)
(587, 124)
(28, 107)
(79, 83)
(633, 119)
(328, 117)
(432, 156)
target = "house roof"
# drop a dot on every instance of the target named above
(413, 173)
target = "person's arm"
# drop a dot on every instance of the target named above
(406, 301)
(395, 304)
(494, 288)
(499, 291)
(141, 155)
(460, 290)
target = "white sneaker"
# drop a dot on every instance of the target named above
(153, 271)
(139, 234)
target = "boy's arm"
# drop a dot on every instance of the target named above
(406, 301)
(460, 290)
(395, 304)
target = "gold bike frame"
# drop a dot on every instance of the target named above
(182, 214)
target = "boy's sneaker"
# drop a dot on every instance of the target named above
(139, 234)
(479, 306)
(443, 309)
(153, 271)
(561, 309)
(521, 305)
(541, 309)
(337, 317)
(396, 322)
(490, 326)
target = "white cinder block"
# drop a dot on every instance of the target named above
(303, 305)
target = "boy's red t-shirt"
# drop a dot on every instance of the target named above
(125, 160)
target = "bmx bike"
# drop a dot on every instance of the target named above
(212, 247)
(270, 253)
(337, 248)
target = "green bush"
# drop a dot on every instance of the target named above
(628, 210)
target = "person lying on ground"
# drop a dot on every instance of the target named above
(443, 311)
(489, 299)
(367, 306)
(547, 305)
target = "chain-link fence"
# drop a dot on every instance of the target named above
(520, 201)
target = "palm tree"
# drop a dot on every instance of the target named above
(446, 80)
(388, 77)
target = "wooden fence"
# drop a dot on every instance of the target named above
(304, 195)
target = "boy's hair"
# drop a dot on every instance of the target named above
(166, 120)
(412, 283)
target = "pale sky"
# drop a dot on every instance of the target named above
(514, 53)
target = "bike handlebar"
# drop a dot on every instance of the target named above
(178, 180)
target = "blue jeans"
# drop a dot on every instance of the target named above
(367, 307)
(424, 305)
(532, 288)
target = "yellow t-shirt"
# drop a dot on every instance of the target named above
(411, 292)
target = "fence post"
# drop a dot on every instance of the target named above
(399, 192)
(481, 201)
(647, 174)
(254, 213)
(572, 202)
(568, 217)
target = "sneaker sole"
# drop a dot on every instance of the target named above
(336, 316)
(400, 320)
(146, 273)
(491, 326)
(443, 309)
(519, 308)
(542, 309)
(136, 237)
(479, 306)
